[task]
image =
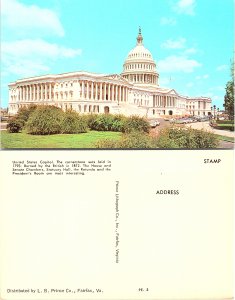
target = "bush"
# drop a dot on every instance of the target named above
(15, 125)
(102, 122)
(180, 137)
(45, 120)
(119, 123)
(73, 123)
(25, 112)
(132, 140)
(136, 123)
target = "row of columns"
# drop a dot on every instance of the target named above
(141, 78)
(36, 92)
(164, 101)
(103, 91)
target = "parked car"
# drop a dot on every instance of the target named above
(154, 123)
(203, 119)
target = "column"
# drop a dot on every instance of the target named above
(38, 96)
(101, 96)
(87, 90)
(104, 96)
(112, 96)
(126, 94)
(26, 93)
(96, 91)
(19, 93)
(109, 87)
(30, 92)
(46, 98)
(92, 90)
(82, 89)
(120, 93)
(41, 92)
(50, 94)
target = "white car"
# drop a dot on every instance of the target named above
(154, 123)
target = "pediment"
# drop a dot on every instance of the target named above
(116, 77)
(173, 92)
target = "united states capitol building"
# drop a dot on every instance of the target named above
(133, 92)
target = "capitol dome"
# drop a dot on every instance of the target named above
(140, 67)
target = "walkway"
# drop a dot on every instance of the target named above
(206, 126)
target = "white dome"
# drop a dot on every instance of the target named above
(139, 66)
(139, 52)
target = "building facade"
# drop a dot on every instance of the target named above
(134, 92)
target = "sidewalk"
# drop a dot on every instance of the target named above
(206, 126)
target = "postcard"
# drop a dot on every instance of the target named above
(117, 138)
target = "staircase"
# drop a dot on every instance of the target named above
(130, 109)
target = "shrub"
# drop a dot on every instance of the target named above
(72, 122)
(25, 112)
(15, 125)
(106, 143)
(180, 137)
(103, 122)
(90, 119)
(132, 140)
(45, 120)
(136, 123)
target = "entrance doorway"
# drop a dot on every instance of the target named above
(106, 110)
(170, 112)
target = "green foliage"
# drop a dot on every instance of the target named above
(45, 120)
(180, 137)
(137, 140)
(15, 125)
(225, 121)
(102, 122)
(136, 123)
(118, 123)
(72, 122)
(224, 126)
(25, 112)
(229, 96)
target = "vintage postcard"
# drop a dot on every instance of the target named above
(117, 138)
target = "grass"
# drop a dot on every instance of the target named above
(82, 140)
(226, 138)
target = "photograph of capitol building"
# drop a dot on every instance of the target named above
(135, 91)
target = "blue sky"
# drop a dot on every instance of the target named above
(191, 40)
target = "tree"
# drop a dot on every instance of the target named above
(229, 96)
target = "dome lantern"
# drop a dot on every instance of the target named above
(139, 66)
(139, 38)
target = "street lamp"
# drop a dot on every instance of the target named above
(214, 110)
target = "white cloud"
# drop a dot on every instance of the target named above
(185, 7)
(174, 44)
(222, 68)
(24, 18)
(190, 51)
(33, 57)
(178, 64)
(37, 48)
(168, 21)
(27, 68)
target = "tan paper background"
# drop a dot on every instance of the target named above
(59, 232)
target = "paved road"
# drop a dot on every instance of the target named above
(3, 126)
(206, 126)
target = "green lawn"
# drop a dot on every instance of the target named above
(226, 138)
(82, 140)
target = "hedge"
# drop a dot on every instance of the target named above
(45, 120)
